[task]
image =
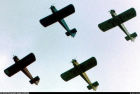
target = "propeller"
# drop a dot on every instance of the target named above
(74, 60)
(52, 5)
(112, 11)
(14, 56)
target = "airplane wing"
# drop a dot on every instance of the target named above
(81, 68)
(20, 65)
(117, 20)
(59, 15)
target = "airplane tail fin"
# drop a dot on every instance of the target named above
(15, 58)
(131, 37)
(71, 32)
(93, 86)
(35, 80)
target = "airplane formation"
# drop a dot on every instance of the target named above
(79, 69)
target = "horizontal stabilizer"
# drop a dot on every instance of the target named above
(72, 32)
(35, 80)
(93, 86)
(131, 37)
(57, 16)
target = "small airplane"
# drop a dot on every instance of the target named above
(118, 20)
(59, 16)
(20, 65)
(79, 69)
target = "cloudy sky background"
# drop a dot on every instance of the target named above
(118, 67)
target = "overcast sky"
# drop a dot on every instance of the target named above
(118, 60)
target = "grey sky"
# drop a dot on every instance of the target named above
(118, 62)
